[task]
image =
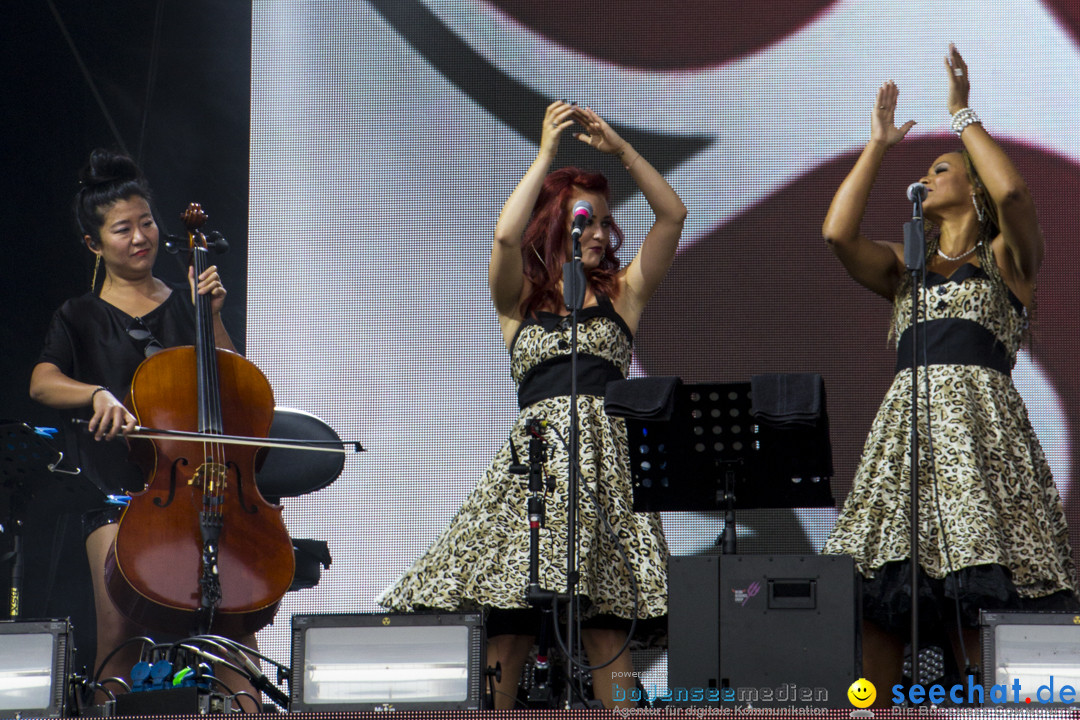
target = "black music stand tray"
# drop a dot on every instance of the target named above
(29, 466)
(714, 455)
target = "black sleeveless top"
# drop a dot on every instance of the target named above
(961, 326)
(540, 353)
(89, 340)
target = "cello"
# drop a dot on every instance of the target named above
(199, 548)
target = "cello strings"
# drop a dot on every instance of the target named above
(209, 389)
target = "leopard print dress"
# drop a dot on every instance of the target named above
(993, 501)
(481, 560)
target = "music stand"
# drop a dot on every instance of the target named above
(29, 466)
(714, 455)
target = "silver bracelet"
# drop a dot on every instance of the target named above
(962, 118)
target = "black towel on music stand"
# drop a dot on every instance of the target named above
(782, 400)
(651, 398)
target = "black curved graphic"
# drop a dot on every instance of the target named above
(518, 106)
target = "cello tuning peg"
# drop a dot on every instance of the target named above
(216, 241)
(173, 243)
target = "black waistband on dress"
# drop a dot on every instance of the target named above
(551, 378)
(955, 341)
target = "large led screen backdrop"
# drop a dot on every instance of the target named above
(387, 134)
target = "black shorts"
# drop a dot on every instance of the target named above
(98, 518)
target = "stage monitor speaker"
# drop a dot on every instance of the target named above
(768, 631)
(383, 662)
(35, 658)
(694, 621)
(1038, 650)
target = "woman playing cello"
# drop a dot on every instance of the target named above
(93, 347)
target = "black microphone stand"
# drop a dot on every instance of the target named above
(544, 600)
(574, 297)
(915, 260)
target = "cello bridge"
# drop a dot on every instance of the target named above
(211, 476)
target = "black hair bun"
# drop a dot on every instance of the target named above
(107, 167)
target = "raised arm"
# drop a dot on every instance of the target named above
(648, 268)
(875, 265)
(505, 271)
(1020, 236)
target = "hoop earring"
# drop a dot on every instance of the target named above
(93, 280)
(979, 211)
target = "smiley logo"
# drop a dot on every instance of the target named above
(862, 693)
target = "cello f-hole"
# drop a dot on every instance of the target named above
(172, 484)
(251, 509)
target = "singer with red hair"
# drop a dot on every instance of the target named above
(992, 531)
(481, 560)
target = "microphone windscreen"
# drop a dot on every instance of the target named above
(916, 190)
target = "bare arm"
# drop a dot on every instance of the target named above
(221, 335)
(505, 278)
(874, 265)
(1021, 236)
(648, 268)
(50, 386)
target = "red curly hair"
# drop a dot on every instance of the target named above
(543, 246)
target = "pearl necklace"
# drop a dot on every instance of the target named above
(961, 256)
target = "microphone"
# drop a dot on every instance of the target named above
(916, 191)
(582, 215)
(914, 237)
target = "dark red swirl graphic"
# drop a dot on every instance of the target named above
(763, 293)
(1068, 12)
(676, 35)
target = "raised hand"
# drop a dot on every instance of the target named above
(598, 133)
(882, 123)
(558, 116)
(209, 283)
(959, 82)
